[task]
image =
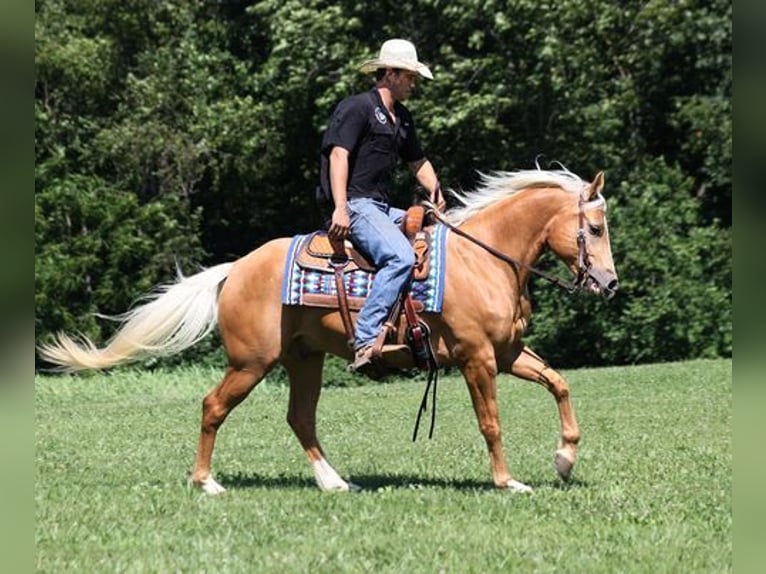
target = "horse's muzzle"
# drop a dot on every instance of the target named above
(602, 283)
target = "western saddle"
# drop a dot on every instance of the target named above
(320, 253)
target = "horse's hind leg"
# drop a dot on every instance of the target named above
(216, 406)
(305, 371)
(530, 366)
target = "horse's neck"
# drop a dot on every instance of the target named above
(517, 226)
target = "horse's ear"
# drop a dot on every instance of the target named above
(596, 186)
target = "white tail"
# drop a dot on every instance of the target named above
(175, 318)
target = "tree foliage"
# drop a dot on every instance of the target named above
(187, 133)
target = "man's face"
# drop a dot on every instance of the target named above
(402, 83)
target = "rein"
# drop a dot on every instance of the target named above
(583, 262)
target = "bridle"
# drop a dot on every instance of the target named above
(583, 259)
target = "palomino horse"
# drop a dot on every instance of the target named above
(498, 233)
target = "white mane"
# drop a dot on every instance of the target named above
(501, 184)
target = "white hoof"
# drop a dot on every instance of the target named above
(563, 463)
(517, 486)
(341, 486)
(327, 479)
(210, 486)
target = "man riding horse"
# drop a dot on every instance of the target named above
(367, 134)
(483, 309)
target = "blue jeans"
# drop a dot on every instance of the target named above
(375, 232)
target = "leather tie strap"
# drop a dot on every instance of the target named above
(338, 262)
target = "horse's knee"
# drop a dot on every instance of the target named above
(233, 389)
(561, 391)
(213, 412)
(300, 425)
(556, 384)
(490, 430)
(294, 422)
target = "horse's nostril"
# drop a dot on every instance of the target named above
(613, 285)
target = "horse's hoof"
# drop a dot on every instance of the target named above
(208, 486)
(516, 486)
(327, 479)
(563, 464)
(341, 486)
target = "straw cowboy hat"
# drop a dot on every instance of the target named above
(397, 54)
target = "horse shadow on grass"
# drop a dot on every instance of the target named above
(376, 482)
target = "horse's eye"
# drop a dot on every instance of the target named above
(597, 230)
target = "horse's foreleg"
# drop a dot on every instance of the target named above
(305, 372)
(530, 366)
(216, 406)
(481, 378)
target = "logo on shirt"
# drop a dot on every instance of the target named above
(380, 115)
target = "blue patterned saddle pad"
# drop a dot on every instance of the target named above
(311, 287)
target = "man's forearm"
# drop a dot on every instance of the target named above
(426, 176)
(339, 177)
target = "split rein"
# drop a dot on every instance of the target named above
(583, 261)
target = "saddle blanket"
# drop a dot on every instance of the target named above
(309, 286)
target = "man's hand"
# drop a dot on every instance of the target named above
(340, 224)
(426, 176)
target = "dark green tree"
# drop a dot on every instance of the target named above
(186, 132)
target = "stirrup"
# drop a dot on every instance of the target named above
(362, 358)
(376, 365)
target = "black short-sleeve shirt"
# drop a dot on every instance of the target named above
(361, 124)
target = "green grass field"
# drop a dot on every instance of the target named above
(651, 492)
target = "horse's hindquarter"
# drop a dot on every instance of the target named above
(249, 305)
(253, 320)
